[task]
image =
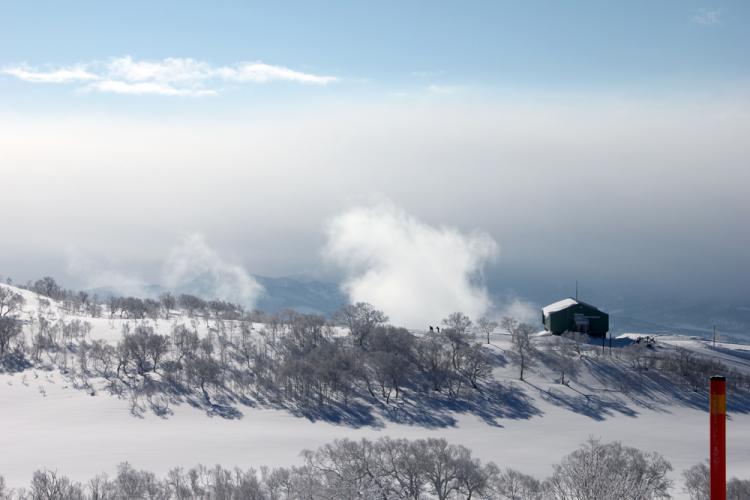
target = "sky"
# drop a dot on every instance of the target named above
(538, 142)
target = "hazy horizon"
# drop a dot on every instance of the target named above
(406, 165)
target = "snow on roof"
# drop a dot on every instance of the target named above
(558, 306)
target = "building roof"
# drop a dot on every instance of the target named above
(564, 304)
(558, 306)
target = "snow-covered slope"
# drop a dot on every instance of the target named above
(47, 421)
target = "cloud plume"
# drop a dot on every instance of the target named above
(94, 274)
(191, 266)
(416, 273)
(171, 76)
(195, 266)
(520, 310)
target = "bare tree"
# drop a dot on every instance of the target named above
(185, 341)
(440, 461)
(361, 319)
(47, 485)
(390, 359)
(10, 302)
(474, 364)
(191, 303)
(168, 302)
(434, 359)
(393, 469)
(203, 371)
(620, 472)
(143, 345)
(738, 489)
(458, 321)
(103, 355)
(513, 485)
(697, 482)
(523, 352)
(101, 488)
(509, 324)
(156, 347)
(578, 340)
(487, 326)
(390, 370)
(560, 354)
(113, 303)
(10, 328)
(47, 286)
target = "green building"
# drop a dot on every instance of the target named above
(571, 315)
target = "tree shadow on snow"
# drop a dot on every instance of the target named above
(650, 389)
(491, 402)
(14, 362)
(589, 405)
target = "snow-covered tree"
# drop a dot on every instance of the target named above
(597, 470)
(48, 485)
(698, 484)
(513, 485)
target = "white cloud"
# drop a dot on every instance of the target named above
(416, 273)
(194, 264)
(144, 88)
(261, 73)
(60, 75)
(170, 76)
(166, 71)
(707, 17)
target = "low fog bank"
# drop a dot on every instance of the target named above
(416, 272)
(614, 190)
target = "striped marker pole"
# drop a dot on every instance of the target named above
(718, 438)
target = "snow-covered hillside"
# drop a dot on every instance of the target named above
(79, 428)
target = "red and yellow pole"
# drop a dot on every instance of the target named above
(718, 438)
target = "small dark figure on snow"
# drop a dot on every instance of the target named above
(432, 329)
(438, 329)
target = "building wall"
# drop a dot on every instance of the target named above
(564, 321)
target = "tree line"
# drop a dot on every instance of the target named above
(388, 469)
(304, 359)
(292, 357)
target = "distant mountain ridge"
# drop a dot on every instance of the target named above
(301, 294)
